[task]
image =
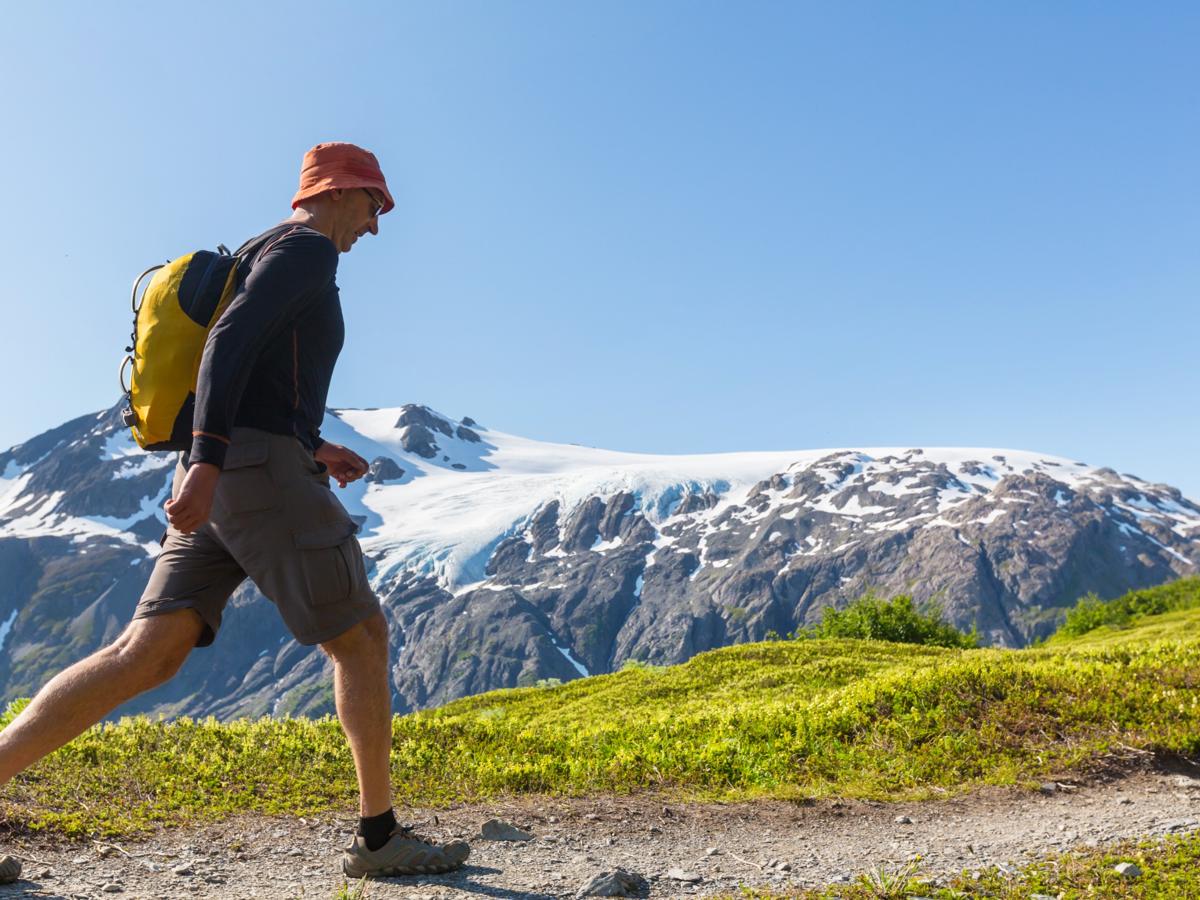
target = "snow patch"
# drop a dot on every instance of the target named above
(579, 667)
(6, 627)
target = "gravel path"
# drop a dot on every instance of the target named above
(764, 844)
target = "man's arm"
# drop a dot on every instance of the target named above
(289, 273)
(292, 270)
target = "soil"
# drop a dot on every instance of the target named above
(764, 844)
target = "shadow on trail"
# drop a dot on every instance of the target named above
(465, 885)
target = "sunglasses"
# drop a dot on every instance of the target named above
(376, 203)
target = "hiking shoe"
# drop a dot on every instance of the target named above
(405, 853)
(10, 869)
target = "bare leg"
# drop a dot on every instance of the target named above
(146, 654)
(364, 706)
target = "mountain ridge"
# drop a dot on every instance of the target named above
(502, 561)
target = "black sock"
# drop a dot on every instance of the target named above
(377, 829)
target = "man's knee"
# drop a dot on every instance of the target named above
(370, 634)
(153, 649)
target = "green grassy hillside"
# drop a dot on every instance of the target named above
(1092, 614)
(798, 718)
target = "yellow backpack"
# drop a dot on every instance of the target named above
(172, 319)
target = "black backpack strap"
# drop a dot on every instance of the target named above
(249, 252)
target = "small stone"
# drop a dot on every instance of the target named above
(1048, 788)
(552, 819)
(295, 851)
(711, 851)
(184, 869)
(1127, 870)
(617, 883)
(903, 820)
(654, 829)
(112, 888)
(785, 867)
(1125, 801)
(497, 830)
(105, 851)
(1042, 897)
(679, 874)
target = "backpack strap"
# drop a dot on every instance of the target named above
(249, 253)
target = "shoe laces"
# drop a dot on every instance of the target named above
(407, 831)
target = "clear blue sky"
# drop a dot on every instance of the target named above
(653, 226)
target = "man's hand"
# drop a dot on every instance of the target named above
(343, 464)
(192, 507)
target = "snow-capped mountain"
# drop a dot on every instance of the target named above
(502, 561)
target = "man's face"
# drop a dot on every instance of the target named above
(359, 213)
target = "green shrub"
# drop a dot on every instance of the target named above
(1090, 612)
(896, 620)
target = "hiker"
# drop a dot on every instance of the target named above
(252, 498)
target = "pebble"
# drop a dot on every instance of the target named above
(1127, 870)
(112, 888)
(498, 830)
(903, 820)
(184, 870)
(679, 874)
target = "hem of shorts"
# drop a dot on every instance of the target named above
(328, 634)
(160, 607)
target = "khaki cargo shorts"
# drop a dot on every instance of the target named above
(275, 521)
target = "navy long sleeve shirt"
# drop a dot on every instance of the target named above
(268, 361)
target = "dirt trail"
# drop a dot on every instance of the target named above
(723, 846)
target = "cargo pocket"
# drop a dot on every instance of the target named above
(331, 561)
(245, 485)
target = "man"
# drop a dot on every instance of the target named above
(252, 499)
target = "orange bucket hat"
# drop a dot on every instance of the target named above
(340, 166)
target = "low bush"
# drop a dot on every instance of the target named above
(897, 620)
(1090, 612)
